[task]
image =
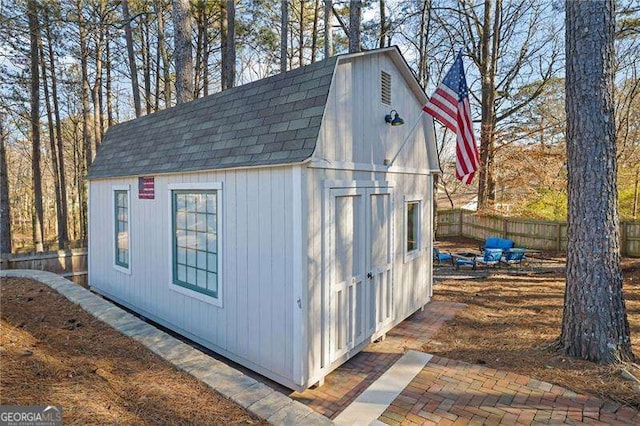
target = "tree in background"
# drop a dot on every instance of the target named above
(355, 22)
(61, 223)
(57, 143)
(510, 43)
(328, 28)
(284, 25)
(627, 106)
(183, 56)
(229, 45)
(36, 177)
(5, 208)
(133, 69)
(162, 52)
(88, 82)
(594, 324)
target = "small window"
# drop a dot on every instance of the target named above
(121, 228)
(412, 228)
(195, 240)
(385, 87)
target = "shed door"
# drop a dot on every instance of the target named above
(347, 290)
(379, 259)
(359, 266)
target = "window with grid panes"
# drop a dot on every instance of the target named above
(195, 240)
(121, 226)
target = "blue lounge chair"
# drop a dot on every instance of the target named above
(440, 257)
(513, 256)
(490, 257)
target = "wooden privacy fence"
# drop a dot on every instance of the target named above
(534, 234)
(71, 264)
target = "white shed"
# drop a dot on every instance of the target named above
(265, 222)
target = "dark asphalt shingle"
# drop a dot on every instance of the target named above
(271, 121)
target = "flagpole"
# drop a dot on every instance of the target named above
(406, 139)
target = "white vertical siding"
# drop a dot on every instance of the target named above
(254, 326)
(353, 144)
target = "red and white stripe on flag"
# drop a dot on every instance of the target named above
(451, 108)
(146, 187)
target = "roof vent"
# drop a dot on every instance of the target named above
(385, 88)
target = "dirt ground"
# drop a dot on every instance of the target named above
(512, 321)
(52, 352)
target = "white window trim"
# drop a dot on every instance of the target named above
(115, 188)
(419, 251)
(217, 186)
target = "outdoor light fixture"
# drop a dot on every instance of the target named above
(393, 118)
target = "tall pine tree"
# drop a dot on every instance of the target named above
(594, 324)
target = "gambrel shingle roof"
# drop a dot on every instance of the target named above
(275, 120)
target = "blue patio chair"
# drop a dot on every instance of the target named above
(490, 257)
(440, 257)
(513, 256)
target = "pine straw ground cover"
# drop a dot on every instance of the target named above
(512, 321)
(54, 353)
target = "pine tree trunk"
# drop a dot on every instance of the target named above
(594, 324)
(183, 54)
(166, 67)
(230, 46)
(487, 107)
(205, 59)
(86, 112)
(77, 182)
(156, 76)
(425, 20)
(100, 111)
(635, 194)
(146, 61)
(36, 178)
(495, 53)
(5, 208)
(314, 35)
(86, 109)
(199, 39)
(133, 69)
(284, 25)
(223, 42)
(78, 161)
(355, 20)
(328, 28)
(383, 24)
(62, 207)
(107, 88)
(290, 54)
(301, 35)
(96, 90)
(61, 225)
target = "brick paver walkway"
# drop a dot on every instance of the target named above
(454, 392)
(344, 384)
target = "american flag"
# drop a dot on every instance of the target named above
(146, 188)
(450, 106)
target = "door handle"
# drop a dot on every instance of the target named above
(369, 275)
